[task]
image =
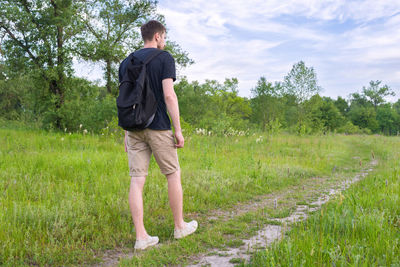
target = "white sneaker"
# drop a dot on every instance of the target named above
(189, 228)
(145, 243)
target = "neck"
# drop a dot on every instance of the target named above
(150, 45)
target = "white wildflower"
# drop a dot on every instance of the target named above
(80, 126)
(201, 131)
(85, 131)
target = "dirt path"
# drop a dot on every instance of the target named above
(314, 191)
(270, 232)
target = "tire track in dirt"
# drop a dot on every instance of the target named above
(271, 232)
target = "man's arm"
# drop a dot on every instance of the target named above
(173, 109)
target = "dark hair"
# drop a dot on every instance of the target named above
(150, 28)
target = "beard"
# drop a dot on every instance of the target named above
(160, 46)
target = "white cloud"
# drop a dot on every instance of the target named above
(253, 38)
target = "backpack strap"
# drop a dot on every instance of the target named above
(150, 58)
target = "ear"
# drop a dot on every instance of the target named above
(156, 36)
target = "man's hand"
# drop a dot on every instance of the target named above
(179, 140)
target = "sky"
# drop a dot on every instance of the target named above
(347, 42)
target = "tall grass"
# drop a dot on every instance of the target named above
(63, 198)
(361, 227)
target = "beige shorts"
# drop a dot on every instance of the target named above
(140, 145)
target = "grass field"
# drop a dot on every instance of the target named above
(359, 228)
(64, 201)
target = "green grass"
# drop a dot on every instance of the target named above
(361, 227)
(63, 197)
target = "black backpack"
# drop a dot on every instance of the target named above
(136, 101)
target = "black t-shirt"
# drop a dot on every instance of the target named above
(160, 68)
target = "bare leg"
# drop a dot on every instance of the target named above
(175, 195)
(136, 206)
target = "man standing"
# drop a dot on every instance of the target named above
(157, 138)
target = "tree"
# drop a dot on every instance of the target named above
(112, 31)
(111, 27)
(342, 105)
(388, 119)
(364, 107)
(376, 94)
(364, 117)
(265, 103)
(39, 38)
(396, 106)
(357, 99)
(301, 81)
(322, 114)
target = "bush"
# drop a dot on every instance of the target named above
(350, 128)
(86, 107)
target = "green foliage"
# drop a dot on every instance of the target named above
(350, 128)
(376, 94)
(342, 105)
(187, 129)
(40, 39)
(266, 104)
(213, 106)
(180, 56)
(39, 36)
(25, 100)
(11, 98)
(388, 119)
(364, 117)
(301, 81)
(274, 127)
(396, 106)
(90, 107)
(322, 115)
(112, 30)
(369, 111)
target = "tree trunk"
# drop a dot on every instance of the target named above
(108, 76)
(57, 85)
(60, 64)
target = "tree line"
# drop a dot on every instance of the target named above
(41, 39)
(293, 105)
